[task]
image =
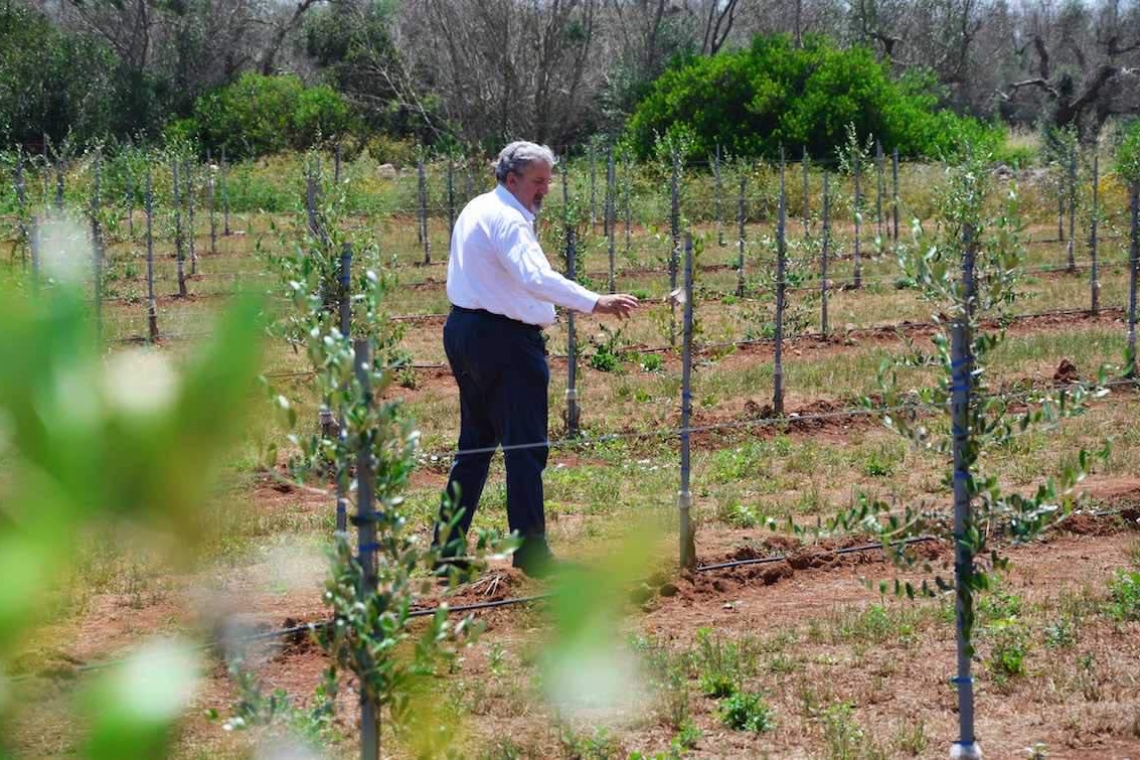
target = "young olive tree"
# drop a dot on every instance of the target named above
(333, 281)
(967, 265)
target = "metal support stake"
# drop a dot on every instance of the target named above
(189, 167)
(573, 415)
(717, 197)
(858, 254)
(1094, 281)
(225, 196)
(781, 294)
(688, 555)
(1133, 273)
(178, 241)
(740, 214)
(366, 538)
(450, 198)
(611, 207)
(806, 166)
(336, 165)
(212, 199)
(593, 189)
(151, 301)
(880, 188)
(97, 245)
(346, 332)
(130, 179)
(1072, 208)
(895, 192)
(423, 197)
(962, 361)
(59, 180)
(825, 243)
(22, 208)
(627, 199)
(675, 233)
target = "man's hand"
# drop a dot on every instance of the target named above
(618, 304)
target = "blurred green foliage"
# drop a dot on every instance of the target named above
(91, 440)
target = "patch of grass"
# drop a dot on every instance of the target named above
(911, 739)
(1061, 633)
(722, 665)
(1124, 591)
(844, 738)
(1011, 644)
(596, 746)
(746, 711)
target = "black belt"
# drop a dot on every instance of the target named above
(496, 317)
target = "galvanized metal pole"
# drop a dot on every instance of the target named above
(573, 413)
(573, 416)
(151, 301)
(366, 539)
(346, 332)
(189, 167)
(225, 195)
(97, 245)
(675, 233)
(450, 198)
(858, 275)
(781, 294)
(311, 200)
(59, 180)
(717, 198)
(336, 165)
(879, 188)
(212, 199)
(423, 213)
(1133, 273)
(1072, 208)
(130, 178)
(611, 201)
(825, 244)
(895, 192)
(22, 208)
(806, 166)
(627, 199)
(178, 241)
(962, 368)
(1094, 279)
(740, 214)
(593, 189)
(688, 553)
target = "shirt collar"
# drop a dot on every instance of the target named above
(506, 197)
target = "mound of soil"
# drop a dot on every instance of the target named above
(1066, 373)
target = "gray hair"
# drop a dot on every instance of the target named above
(519, 155)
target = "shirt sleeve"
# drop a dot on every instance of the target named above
(519, 252)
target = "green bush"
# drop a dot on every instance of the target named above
(259, 115)
(755, 100)
(1128, 155)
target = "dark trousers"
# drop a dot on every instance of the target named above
(500, 366)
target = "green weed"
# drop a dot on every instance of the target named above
(746, 711)
(1124, 589)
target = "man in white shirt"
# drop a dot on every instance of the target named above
(503, 292)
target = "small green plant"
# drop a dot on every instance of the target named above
(746, 711)
(722, 664)
(606, 354)
(1038, 751)
(1061, 633)
(878, 466)
(844, 737)
(911, 739)
(739, 515)
(652, 362)
(1011, 645)
(596, 746)
(1124, 590)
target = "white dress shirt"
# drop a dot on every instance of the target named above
(497, 264)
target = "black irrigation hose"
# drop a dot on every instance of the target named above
(784, 557)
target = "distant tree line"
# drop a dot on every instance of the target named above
(476, 72)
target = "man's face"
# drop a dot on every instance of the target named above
(531, 185)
